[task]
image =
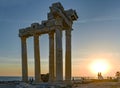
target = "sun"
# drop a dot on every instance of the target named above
(99, 65)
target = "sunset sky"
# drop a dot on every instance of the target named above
(96, 35)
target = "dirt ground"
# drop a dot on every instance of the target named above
(99, 85)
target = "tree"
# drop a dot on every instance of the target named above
(117, 75)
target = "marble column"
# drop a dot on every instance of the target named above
(37, 59)
(24, 60)
(51, 57)
(68, 56)
(59, 56)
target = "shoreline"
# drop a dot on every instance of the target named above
(98, 84)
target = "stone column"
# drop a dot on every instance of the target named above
(37, 59)
(59, 57)
(68, 57)
(51, 57)
(24, 60)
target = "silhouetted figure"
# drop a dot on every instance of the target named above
(73, 79)
(31, 80)
(100, 77)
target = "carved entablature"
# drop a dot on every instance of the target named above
(68, 16)
(71, 14)
(35, 25)
(25, 32)
(57, 17)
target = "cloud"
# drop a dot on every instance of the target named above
(17, 21)
(99, 19)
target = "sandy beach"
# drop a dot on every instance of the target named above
(100, 85)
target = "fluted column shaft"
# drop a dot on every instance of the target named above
(68, 56)
(24, 60)
(51, 57)
(59, 56)
(37, 59)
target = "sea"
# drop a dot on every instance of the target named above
(15, 78)
(11, 78)
(19, 78)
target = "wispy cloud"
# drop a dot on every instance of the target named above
(17, 21)
(99, 19)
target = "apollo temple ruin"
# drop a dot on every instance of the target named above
(58, 20)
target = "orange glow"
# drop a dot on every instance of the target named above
(99, 65)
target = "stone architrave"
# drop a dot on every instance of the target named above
(68, 56)
(59, 56)
(51, 57)
(24, 60)
(37, 58)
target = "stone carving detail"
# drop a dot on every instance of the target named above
(58, 21)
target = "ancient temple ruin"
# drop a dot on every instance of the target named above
(58, 20)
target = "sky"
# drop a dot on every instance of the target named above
(95, 35)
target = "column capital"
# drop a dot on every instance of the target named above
(58, 27)
(68, 32)
(36, 35)
(51, 34)
(23, 38)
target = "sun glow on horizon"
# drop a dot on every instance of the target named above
(99, 65)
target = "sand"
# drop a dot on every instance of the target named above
(100, 85)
